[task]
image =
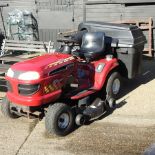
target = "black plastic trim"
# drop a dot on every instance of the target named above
(28, 89)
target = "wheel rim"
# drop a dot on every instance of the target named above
(63, 121)
(116, 86)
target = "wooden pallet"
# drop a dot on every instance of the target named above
(144, 25)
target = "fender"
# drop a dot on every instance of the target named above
(101, 77)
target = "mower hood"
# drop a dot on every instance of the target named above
(42, 63)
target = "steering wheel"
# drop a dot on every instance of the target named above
(67, 41)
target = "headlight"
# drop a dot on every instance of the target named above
(10, 73)
(31, 75)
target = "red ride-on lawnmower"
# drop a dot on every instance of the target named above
(71, 86)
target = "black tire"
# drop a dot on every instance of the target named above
(5, 109)
(111, 93)
(53, 119)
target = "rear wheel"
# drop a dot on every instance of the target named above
(5, 109)
(113, 86)
(59, 119)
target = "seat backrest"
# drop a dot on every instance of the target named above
(93, 44)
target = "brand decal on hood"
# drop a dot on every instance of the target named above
(60, 62)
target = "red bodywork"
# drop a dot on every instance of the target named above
(55, 71)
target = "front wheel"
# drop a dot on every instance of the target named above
(6, 110)
(113, 87)
(59, 119)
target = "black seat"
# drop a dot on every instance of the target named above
(93, 45)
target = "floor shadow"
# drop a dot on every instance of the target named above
(108, 112)
(147, 75)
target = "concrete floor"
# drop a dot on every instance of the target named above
(128, 130)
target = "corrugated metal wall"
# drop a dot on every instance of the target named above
(113, 12)
(60, 15)
(51, 34)
(54, 5)
(127, 10)
(53, 16)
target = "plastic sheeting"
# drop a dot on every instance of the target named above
(22, 26)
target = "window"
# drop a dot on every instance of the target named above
(64, 2)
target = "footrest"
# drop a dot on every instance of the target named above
(82, 94)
